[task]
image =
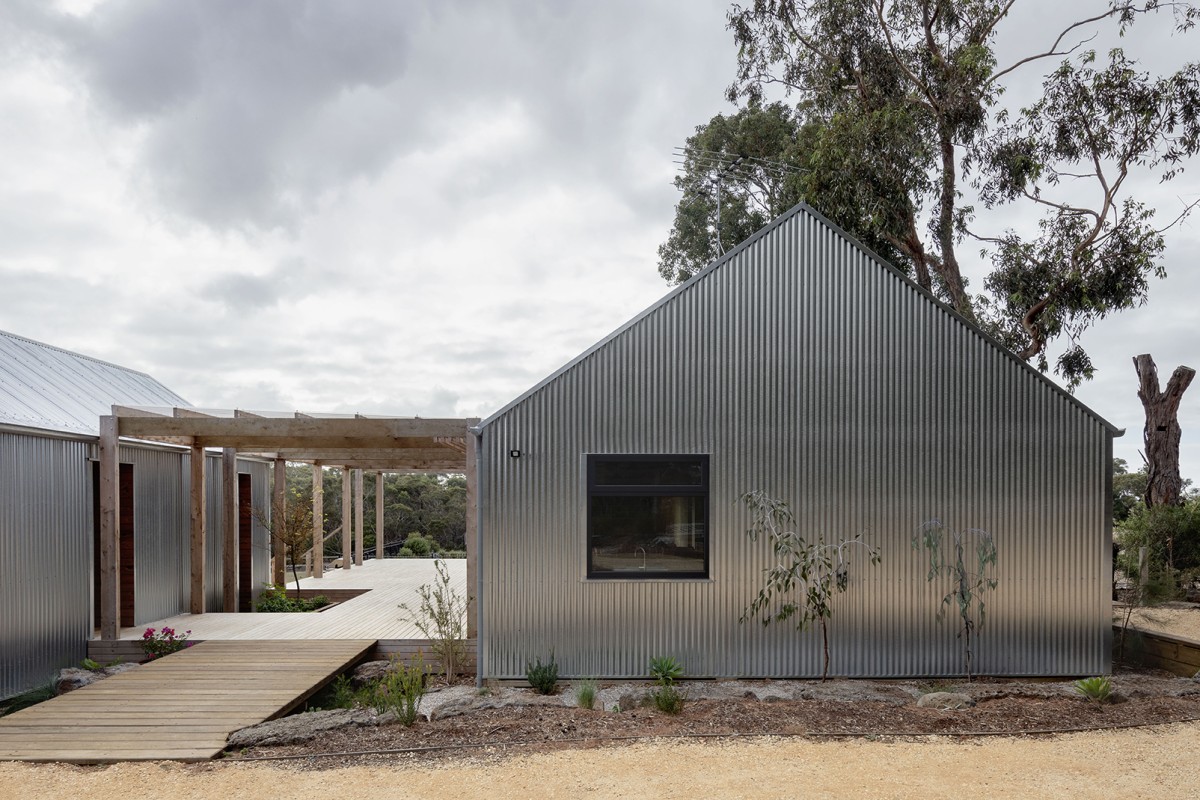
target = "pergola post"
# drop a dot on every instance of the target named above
(358, 517)
(279, 506)
(471, 544)
(318, 547)
(198, 530)
(110, 550)
(229, 530)
(380, 540)
(347, 533)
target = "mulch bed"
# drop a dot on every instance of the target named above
(529, 728)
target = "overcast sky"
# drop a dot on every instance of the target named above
(397, 207)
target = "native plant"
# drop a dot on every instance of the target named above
(402, 689)
(585, 693)
(543, 677)
(967, 558)
(290, 522)
(1098, 689)
(666, 695)
(442, 618)
(806, 576)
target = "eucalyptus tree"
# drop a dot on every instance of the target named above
(901, 139)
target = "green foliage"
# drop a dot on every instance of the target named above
(806, 576)
(274, 600)
(163, 642)
(1171, 535)
(900, 114)
(1098, 689)
(665, 669)
(1128, 490)
(405, 552)
(585, 693)
(89, 664)
(27, 699)
(666, 696)
(968, 559)
(543, 677)
(442, 618)
(402, 689)
(419, 546)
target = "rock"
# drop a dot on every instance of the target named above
(302, 727)
(73, 678)
(946, 701)
(631, 700)
(369, 671)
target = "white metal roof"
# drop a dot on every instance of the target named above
(54, 389)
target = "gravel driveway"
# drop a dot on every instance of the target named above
(1150, 763)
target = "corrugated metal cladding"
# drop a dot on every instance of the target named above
(807, 369)
(46, 546)
(45, 550)
(214, 548)
(49, 388)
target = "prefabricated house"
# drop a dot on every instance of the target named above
(51, 401)
(803, 366)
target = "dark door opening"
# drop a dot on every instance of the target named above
(245, 544)
(127, 549)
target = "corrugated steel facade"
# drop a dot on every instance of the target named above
(214, 543)
(46, 535)
(45, 550)
(806, 368)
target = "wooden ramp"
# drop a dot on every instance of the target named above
(182, 707)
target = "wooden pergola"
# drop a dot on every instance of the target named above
(353, 443)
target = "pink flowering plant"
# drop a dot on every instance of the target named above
(164, 641)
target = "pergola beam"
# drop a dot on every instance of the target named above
(289, 431)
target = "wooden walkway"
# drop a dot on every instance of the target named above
(182, 707)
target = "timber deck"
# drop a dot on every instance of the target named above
(181, 707)
(373, 615)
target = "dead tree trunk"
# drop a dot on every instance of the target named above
(1164, 486)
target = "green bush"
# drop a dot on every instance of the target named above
(275, 600)
(585, 693)
(419, 545)
(1098, 689)
(542, 677)
(405, 552)
(1171, 536)
(667, 697)
(402, 689)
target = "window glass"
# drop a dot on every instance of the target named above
(648, 516)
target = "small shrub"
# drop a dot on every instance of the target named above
(1098, 689)
(402, 690)
(665, 670)
(163, 642)
(442, 617)
(89, 664)
(585, 693)
(405, 552)
(542, 677)
(27, 699)
(667, 699)
(419, 545)
(275, 600)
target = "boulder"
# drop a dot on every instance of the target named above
(73, 678)
(946, 701)
(369, 671)
(302, 727)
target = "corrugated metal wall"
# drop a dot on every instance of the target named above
(46, 557)
(260, 476)
(804, 368)
(45, 553)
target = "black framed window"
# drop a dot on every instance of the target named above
(647, 516)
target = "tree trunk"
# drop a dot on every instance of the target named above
(1164, 486)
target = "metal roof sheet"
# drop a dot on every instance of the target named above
(53, 389)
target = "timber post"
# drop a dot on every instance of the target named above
(110, 514)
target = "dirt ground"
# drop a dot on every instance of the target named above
(1142, 763)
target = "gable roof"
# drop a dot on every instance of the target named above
(768, 230)
(49, 388)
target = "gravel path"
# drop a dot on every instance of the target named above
(1158, 762)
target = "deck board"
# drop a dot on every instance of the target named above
(374, 615)
(182, 707)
